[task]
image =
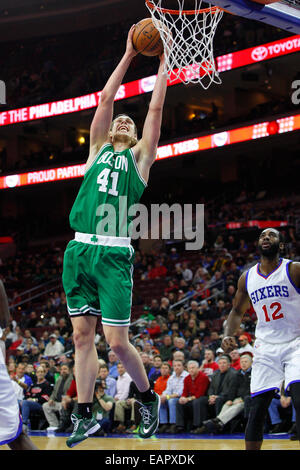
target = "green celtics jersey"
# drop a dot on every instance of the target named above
(111, 186)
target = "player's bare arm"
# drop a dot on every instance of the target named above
(294, 270)
(145, 150)
(4, 309)
(240, 304)
(99, 131)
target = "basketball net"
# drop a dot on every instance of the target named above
(187, 37)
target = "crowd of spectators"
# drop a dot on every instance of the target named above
(178, 336)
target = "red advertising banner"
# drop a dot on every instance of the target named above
(72, 105)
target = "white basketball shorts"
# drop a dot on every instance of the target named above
(10, 418)
(275, 364)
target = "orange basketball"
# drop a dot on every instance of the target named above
(146, 38)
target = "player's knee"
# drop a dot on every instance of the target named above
(118, 346)
(82, 337)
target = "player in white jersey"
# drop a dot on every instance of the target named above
(273, 287)
(11, 432)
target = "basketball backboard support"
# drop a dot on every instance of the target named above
(284, 14)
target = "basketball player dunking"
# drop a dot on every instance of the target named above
(273, 287)
(97, 270)
(11, 432)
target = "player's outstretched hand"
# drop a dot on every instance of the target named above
(129, 45)
(228, 344)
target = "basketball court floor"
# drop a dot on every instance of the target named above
(162, 442)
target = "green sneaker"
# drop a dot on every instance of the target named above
(150, 418)
(83, 427)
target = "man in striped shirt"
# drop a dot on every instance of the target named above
(170, 397)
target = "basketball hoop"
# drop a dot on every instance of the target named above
(187, 36)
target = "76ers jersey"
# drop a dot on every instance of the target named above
(276, 302)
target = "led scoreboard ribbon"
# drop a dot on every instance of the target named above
(196, 144)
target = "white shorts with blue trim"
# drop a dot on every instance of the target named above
(275, 364)
(10, 418)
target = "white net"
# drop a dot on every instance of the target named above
(187, 36)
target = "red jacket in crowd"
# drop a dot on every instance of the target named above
(197, 387)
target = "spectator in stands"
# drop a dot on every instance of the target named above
(240, 400)
(166, 349)
(187, 273)
(154, 330)
(159, 271)
(170, 397)
(244, 345)
(235, 359)
(209, 365)
(49, 375)
(278, 412)
(110, 381)
(215, 341)
(54, 347)
(155, 370)
(122, 392)
(178, 356)
(195, 386)
(68, 403)
(21, 382)
(160, 383)
(122, 384)
(164, 307)
(146, 361)
(113, 364)
(102, 406)
(221, 389)
(36, 395)
(154, 308)
(55, 402)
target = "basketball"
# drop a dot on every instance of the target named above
(146, 38)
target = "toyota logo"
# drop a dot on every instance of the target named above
(259, 53)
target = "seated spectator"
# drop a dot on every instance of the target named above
(113, 364)
(164, 307)
(155, 370)
(187, 273)
(55, 402)
(194, 388)
(68, 403)
(240, 400)
(154, 330)
(167, 348)
(235, 359)
(122, 392)
(245, 346)
(146, 360)
(54, 347)
(221, 389)
(170, 396)
(178, 356)
(215, 341)
(36, 395)
(102, 406)
(160, 383)
(21, 382)
(111, 383)
(158, 271)
(209, 365)
(278, 413)
(179, 344)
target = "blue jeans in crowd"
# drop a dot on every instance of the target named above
(274, 411)
(27, 407)
(169, 405)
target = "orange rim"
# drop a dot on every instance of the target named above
(184, 12)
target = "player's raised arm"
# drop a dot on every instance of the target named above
(4, 310)
(239, 306)
(146, 149)
(99, 131)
